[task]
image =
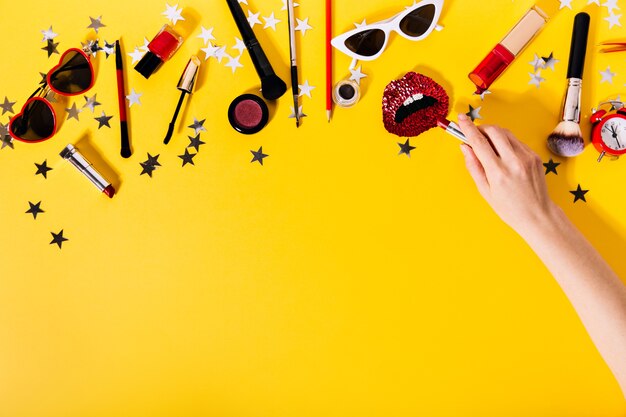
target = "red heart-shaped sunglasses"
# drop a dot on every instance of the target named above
(37, 121)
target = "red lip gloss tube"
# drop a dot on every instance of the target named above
(506, 51)
(160, 49)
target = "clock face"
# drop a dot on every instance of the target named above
(614, 134)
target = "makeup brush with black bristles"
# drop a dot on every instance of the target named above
(567, 139)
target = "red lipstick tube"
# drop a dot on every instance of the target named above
(506, 51)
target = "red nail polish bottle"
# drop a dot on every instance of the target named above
(160, 49)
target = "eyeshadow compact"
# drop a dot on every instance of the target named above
(248, 114)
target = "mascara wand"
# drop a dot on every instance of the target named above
(294, 62)
(185, 85)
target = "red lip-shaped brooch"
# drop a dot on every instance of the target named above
(413, 104)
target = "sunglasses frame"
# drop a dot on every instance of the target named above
(44, 89)
(387, 26)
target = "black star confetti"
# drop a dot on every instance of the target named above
(4, 130)
(92, 47)
(58, 238)
(405, 148)
(187, 157)
(474, 113)
(551, 166)
(43, 168)
(579, 194)
(195, 142)
(51, 48)
(95, 23)
(7, 140)
(44, 78)
(7, 106)
(150, 165)
(198, 125)
(258, 156)
(103, 120)
(35, 209)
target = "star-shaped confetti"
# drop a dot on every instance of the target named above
(108, 49)
(285, 5)
(549, 61)
(43, 168)
(258, 156)
(305, 89)
(7, 140)
(293, 113)
(360, 25)
(103, 120)
(474, 113)
(197, 126)
(270, 21)
(206, 35)
(565, 3)
(7, 106)
(48, 34)
(233, 63)
(613, 20)
(43, 78)
(57, 238)
(303, 25)
(51, 48)
(535, 79)
(34, 209)
(579, 194)
(92, 47)
(133, 98)
(144, 47)
(72, 112)
(173, 13)
(4, 129)
(210, 51)
(220, 54)
(150, 165)
(538, 63)
(136, 55)
(483, 94)
(195, 142)
(187, 157)
(91, 103)
(593, 2)
(254, 18)
(611, 6)
(607, 75)
(551, 166)
(96, 23)
(243, 1)
(405, 148)
(356, 75)
(239, 45)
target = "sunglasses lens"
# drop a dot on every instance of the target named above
(416, 23)
(366, 43)
(35, 123)
(73, 75)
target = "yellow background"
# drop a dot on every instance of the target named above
(339, 279)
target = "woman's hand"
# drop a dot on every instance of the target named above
(508, 174)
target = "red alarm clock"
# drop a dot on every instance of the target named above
(608, 133)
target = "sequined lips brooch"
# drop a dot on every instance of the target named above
(413, 104)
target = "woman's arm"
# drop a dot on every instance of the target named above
(510, 176)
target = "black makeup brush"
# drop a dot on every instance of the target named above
(185, 85)
(567, 139)
(272, 87)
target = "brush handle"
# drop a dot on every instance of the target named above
(578, 49)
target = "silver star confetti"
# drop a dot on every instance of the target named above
(136, 55)
(48, 34)
(483, 94)
(234, 63)
(206, 35)
(253, 18)
(173, 13)
(293, 113)
(72, 112)
(91, 103)
(133, 98)
(305, 89)
(303, 26)
(7, 106)
(108, 48)
(103, 120)
(538, 63)
(239, 45)
(607, 76)
(356, 75)
(270, 21)
(96, 23)
(565, 3)
(550, 61)
(198, 126)
(474, 113)
(535, 79)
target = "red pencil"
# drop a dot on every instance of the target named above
(121, 96)
(329, 60)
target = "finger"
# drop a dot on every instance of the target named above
(476, 170)
(479, 143)
(516, 144)
(499, 140)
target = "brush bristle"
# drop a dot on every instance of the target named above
(566, 139)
